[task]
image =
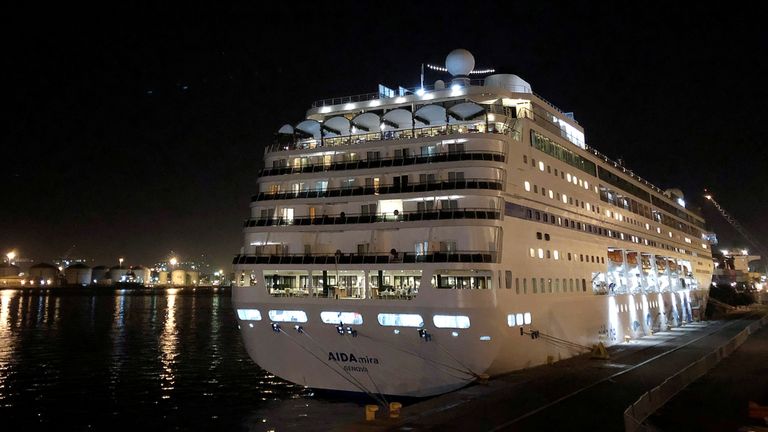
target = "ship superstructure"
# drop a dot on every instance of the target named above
(408, 242)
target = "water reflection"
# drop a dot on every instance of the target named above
(6, 342)
(168, 340)
(93, 359)
(118, 340)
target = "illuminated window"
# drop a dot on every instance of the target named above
(551, 194)
(511, 320)
(332, 317)
(541, 166)
(532, 252)
(527, 186)
(451, 321)
(288, 315)
(541, 253)
(556, 254)
(565, 199)
(527, 318)
(249, 314)
(586, 185)
(400, 320)
(568, 177)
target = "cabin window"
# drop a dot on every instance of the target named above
(279, 315)
(333, 317)
(400, 320)
(249, 314)
(451, 321)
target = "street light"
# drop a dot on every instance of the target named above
(121, 262)
(173, 261)
(11, 255)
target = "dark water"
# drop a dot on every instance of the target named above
(140, 360)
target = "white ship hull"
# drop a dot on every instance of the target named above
(380, 360)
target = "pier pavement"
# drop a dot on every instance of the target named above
(579, 393)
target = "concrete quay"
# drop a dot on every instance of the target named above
(574, 394)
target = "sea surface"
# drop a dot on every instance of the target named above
(87, 359)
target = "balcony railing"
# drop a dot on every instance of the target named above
(413, 216)
(429, 186)
(370, 258)
(495, 127)
(372, 96)
(385, 162)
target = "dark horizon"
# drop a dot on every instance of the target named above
(141, 132)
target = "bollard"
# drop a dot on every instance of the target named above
(370, 412)
(394, 409)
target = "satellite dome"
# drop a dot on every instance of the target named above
(460, 62)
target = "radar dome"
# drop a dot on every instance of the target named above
(460, 62)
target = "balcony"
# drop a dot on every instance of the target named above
(386, 162)
(463, 213)
(369, 258)
(485, 184)
(495, 127)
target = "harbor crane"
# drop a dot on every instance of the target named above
(737, 226)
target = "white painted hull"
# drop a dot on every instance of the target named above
(405, 364)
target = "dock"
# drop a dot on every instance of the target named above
(579, 393)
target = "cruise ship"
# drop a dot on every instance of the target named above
(411, 241)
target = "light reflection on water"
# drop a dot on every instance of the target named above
(97, 359)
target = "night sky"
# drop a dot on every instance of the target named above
(139, 131)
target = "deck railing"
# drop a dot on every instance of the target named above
(369, 258)
(495, 127)
(385, 162)
(428, 186)
(412, 216)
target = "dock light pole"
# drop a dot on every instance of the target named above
(121, 262)
(10, 255)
